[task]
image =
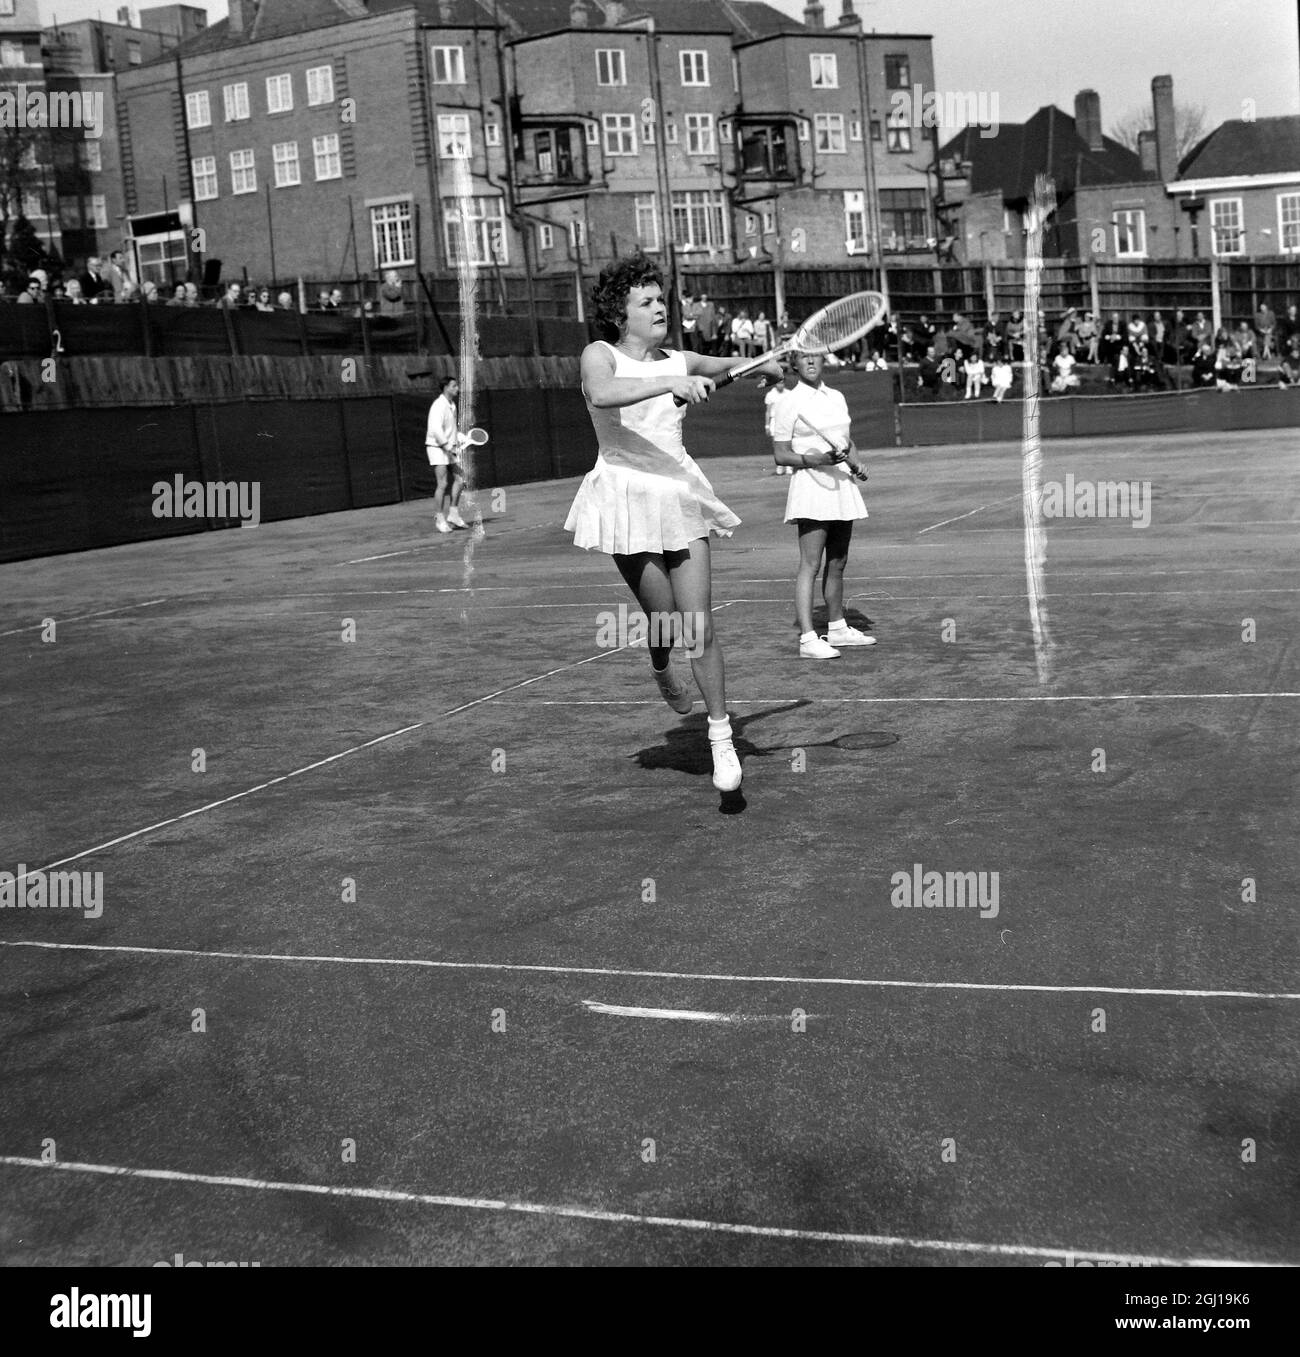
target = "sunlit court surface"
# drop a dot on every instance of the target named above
(424, 937)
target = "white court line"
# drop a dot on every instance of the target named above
(886, 701)
(385, 1194)
(1060, 525)
(681, 1014)
(514, 967)
(225, 801)
(126, 607)
(982, 507)
(428, 546)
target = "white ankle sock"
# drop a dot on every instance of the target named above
(719, 731)
(807, 636)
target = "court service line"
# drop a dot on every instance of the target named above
(383, 1194)
(514, 967)
(126, 607)
(429, 546)
(1005, 500)
(887, 701)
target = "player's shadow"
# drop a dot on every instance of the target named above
(855, 617)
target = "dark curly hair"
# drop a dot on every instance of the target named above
(609, 300)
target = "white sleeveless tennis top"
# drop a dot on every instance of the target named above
(641, 436)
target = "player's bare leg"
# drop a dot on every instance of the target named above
(647, 577)
(838, 631)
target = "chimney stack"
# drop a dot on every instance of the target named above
(1087, 118)
(1147, 151)
(813, 15)
(615, 12)
(579, 14)
(235, 19)
(1162, 100)
(848, 16)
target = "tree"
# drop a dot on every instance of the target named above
(1189, 127)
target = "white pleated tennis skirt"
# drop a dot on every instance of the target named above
(623, 511)
(824, 494)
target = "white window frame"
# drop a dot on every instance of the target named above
(489, 225)
(289, 164)
(700, 136)
(617, 127)
(671, 133)
(900, 132)
(203, 171)
(320, 85)
(1240, 228)
(751, 224)
(235, 101)
(198, 109)
(90, 156)
(492, 134)
(769, 221)
(1282, 223)
(593, 133)
(855, 129)
(647, 134)
(855, 215)
(454, 139)
(397, 214)
(545, 237)
(824, 70)
(687, 205)
(97, 212)
(281, 101)
(1127, 218)
(447, 65)
(12, 54)
(693, 66)
(645, 207)
(611, 62)
(7, 8)
(578, 234)
(326, 153)
(134, 57)
(804, 130)
(246, 168)
(829, 131)
(71, 215)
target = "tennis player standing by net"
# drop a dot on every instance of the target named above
(646, 503)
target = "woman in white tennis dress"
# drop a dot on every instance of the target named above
(645, 502)
(823, 500)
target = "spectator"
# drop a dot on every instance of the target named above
(1015, 336)
(1065, 332)
(1142, 368)
(178, 297)
(1003, 376)
(336, 299)
(742, 333)
(72, 292)
(1289, 372)
(1157, 334)
(941, 343)
(975, 375)
(191, 294)
(263, 302)
(1203, 374)
(1201, 329)
(233, 297)
(323, 300)
(1179, 344)
(1288, 328)
(150, 291)
(1063, 366)
(1137, 328)
(722, 339)
(1244, 338)
(948, 373)
(706, 324)
(93, 281)
(285, 301)
(1088, 335)
(391, 301)
(1266, 325)
(963, 331)
(1227, 366)
(784, 327)
(1111, 345)
(34, 292)
(764, 335)
(118, 277)
(928, 377)
(924, 336)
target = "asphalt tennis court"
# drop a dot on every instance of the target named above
(536, 845)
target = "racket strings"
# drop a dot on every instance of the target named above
(841, 322)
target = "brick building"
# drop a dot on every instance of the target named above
(27, 187)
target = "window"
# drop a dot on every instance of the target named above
(803, 129)
(830, 132)
(647, 220)
(823, 71)
(279, 93)
(700, 220)
(875, 129)
(1288, 222)
(671, 133)
(902, 216)
(448, 65)
(611, 69)
(855, 130)
(769, 221)
(545, 237)
(236, 101)
(285, 156)
(453, 136)
(325, 151)
(593, 134)
(6, 9)
(767, 151)
(898, 72)
(97, 212)
(31, 206)
(492, 134)
(11, 54)
(577, 234)
(1130, 232)
(695, 68)
(203, 170)
(855, 219)
(392, 235)
(899, 136)
(320, 85)
(198, 110)
(476, 236)
(133, 52)
(90, 156)
(69, 208)
(648, 133)
(620, 134)
(699, 134)
(751, 224)
(243, 175)
(1226, 235)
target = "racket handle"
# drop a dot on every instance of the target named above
(725, 379)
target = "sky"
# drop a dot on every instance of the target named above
(1036, 52)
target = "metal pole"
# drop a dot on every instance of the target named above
(868, 152)
(665, 193)
(270, 231)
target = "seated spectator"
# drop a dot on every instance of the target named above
(1244, 338)
(742, 334)
(1065, 332)
(928, 378)
(1142, 368)
(1137, 329)
(391, 302)
(285, 301)
(1288, 328)
(93, 281)
(949, 371)
(1015, 336)
(178, 296)
(1156, 333)
(150, 292)
(233, 295)
(923, 333)
(975, 375)
(191, 294)
(1289, 372)
(1088, 334)
(336, 299)
(963, 332)
(1266, 327)
(72, 292)
(1178, 342)
(1003, 376)
(34, 292)
(1111, 344)
(1063, 368)
(1201, 329)
(1227, 367)
(263, 302)
(1203, 373)
(942, 343)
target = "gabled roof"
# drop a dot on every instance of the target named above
(1265, 146)
(1047, 143)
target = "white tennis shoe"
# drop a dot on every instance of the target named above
(817, 649)
(454, 518)
(849, 636)
(441, 524)
(726, 765)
